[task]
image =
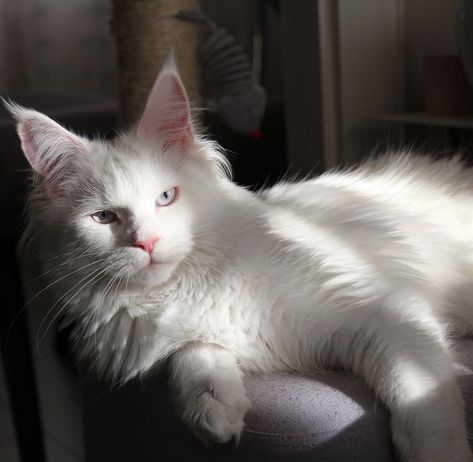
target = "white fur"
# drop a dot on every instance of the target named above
(368, 269)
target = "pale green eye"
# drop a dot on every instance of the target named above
(167, 197)
(104, 217)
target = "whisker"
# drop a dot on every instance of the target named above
(25, 306)
(39, 338)
(114, 295)
(70, 260)
(91, 278)
(109, 286)
(66, 258)
(61, 279)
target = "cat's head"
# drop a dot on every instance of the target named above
(132, 206)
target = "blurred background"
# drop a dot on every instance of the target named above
(287, 87)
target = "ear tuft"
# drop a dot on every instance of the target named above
(166, 118)
(169, 63)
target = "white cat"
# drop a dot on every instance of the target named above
(157, 255)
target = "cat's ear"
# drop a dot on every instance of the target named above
(49, 148)
(166, 118)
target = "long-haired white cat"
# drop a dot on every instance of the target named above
(158, 256)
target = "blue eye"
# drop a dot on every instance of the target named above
(104, 217)
(167, 197)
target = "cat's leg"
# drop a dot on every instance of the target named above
(402, 354)
(211, 392)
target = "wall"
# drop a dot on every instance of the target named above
(371, 68)
(57, 46)
(429, 29)
(376, 50)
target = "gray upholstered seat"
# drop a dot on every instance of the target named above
(330, 417)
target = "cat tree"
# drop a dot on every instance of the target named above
(145, 31)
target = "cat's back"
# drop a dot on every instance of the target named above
(396, 223)
(408, 209)
(400, 184)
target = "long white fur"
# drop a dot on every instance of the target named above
(368, 269)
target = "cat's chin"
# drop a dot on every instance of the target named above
(156, 272)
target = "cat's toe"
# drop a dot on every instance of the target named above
(220, 422)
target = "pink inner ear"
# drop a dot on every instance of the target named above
(177, 134)
(29, 148)
(177, 90)
(45, 143)
(179, 130)
(167, 116)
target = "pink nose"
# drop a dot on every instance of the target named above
(146, 245)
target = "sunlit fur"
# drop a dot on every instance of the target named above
(369, 269)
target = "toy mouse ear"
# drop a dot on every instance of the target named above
(49, 148)
(166, 118)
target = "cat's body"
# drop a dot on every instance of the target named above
(296, 266)
(368, 270)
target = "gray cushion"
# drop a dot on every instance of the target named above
(330, 417)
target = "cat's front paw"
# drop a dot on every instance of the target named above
(217, 417)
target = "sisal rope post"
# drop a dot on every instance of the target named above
(145, 31)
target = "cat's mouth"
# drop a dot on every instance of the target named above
(153, 263)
